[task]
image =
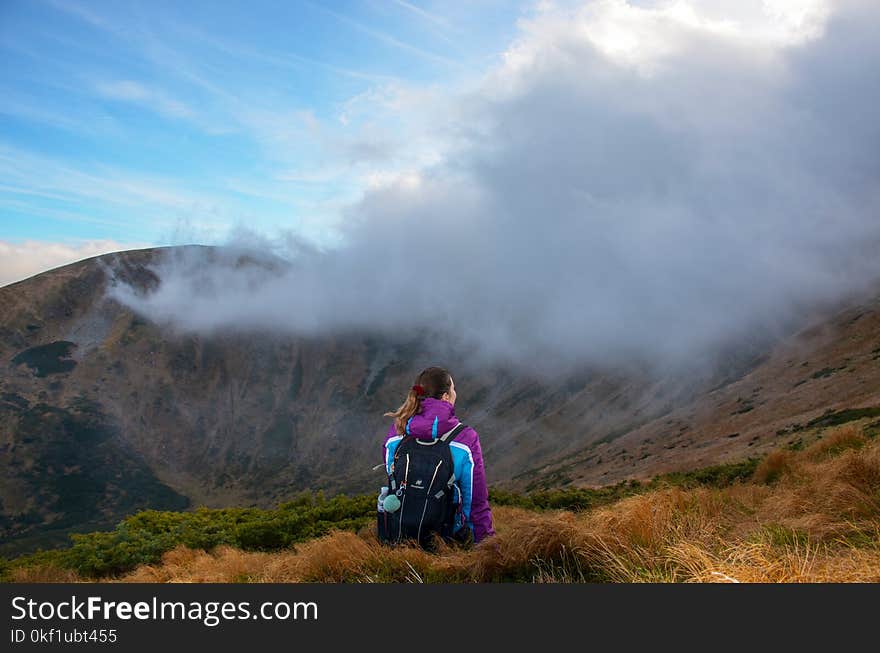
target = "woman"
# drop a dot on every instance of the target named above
(428, 412)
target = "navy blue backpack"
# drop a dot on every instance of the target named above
(420, 502)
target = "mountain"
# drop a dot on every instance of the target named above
(104, 412)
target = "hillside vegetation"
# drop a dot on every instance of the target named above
(105, 412)
(809, 512)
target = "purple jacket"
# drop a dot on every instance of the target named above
(436, 418)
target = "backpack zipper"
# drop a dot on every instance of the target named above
(402, 490)
(427, 498)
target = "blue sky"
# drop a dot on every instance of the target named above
(149, 123)
(584, 180)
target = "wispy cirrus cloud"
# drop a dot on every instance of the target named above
(97, 195)
(422, 13)
(27, 109)
(146, 96)
(388, 39)
(440, 26)
(277, 114)
(26, 173)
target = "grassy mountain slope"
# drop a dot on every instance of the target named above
(104, 412)
(809, 512)
(828, 368)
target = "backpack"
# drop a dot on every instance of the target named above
(422, 478)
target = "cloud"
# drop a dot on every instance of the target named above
(21, 260)
(137, 93)
(650, 182)
(421, 13)
(29, 174)
(387, 39)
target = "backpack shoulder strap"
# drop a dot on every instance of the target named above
(450, 436)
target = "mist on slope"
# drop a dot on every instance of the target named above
(628, 183)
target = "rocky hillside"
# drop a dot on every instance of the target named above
(823, 375)
(103, 412)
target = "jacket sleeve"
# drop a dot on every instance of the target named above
(388, 448)
(480, 513)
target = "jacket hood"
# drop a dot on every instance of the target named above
(435, 418)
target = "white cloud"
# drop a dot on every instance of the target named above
(631, 182)
(645, 37)
(22, 260)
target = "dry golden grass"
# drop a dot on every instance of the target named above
(810, 516)
(224, 564)
(45, 574)
(776, 464)
(849, 436)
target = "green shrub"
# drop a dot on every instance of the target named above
(835, 418)
(716, 476)
(145, 536)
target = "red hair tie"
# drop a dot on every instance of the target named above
(419, 390)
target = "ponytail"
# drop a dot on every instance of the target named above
(432, 382)
(411, 406)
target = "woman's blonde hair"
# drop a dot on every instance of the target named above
(434, 382)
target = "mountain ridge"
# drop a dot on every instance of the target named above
(146, 416)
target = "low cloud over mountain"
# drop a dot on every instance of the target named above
(629, 182)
